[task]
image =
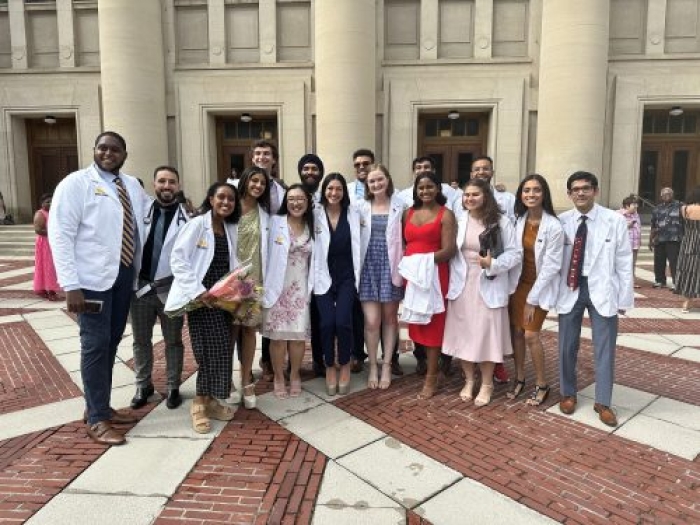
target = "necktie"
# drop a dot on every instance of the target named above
(577, 255)
(157, 243)
(127, 255)
(274, 197)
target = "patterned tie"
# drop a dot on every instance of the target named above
(128, 228)
(577, 255)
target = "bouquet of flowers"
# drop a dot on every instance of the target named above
(236, 292)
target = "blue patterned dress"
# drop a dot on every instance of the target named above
(375, 279)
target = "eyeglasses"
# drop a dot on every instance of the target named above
(363, 163)
(581, 189)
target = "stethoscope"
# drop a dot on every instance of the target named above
(181, 216)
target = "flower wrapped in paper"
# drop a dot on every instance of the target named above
(236, 292)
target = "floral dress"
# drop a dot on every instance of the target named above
(288, 319)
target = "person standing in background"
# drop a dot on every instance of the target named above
(45, 280)
(665, 238)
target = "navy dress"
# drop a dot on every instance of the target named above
(335, 307)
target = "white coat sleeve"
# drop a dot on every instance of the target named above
(551, 264)
(511, 256)
(181, 262)
(64, 221)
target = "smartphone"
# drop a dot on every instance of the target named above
(93, 306)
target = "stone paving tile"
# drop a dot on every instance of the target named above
(155, 467)
(404, 474)
(330, 430)
(662, 435)
(682, 414)
(78, 509)
(477, 504)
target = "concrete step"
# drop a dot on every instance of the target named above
(17, 240)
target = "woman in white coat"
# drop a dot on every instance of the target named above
(482, 276)
(288, 285)
(254, 189)
(337, 267)
(539, 234)
(381, 285)
(205, 251)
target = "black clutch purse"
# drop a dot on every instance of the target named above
(491, 240)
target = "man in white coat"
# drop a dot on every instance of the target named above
(94, 235)
(163, 220)
(596, 275)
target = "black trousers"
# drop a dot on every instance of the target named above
(665, 251)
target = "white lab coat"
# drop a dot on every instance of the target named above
(85, 229)
(423, 297)
(278, 256)
(351, 192)
(610, 281)
(322, 241)
(394, 237)
(506, 201)
(179, 220)
(494, 292)
(191, 257)
(549, 247)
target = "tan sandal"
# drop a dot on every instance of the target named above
(200, 421)
(216, 410)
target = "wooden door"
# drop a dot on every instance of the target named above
(453, 162)
(668, 164)
(53, 154)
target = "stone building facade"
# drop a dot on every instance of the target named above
(550, 86)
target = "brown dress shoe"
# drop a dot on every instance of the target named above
(396, 369)
(567, 405)
(606, 414)
(122, 416)
(103, 433)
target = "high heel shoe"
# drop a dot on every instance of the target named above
(484, 397)
(249, 399)
(429, 387)
(467, 393)
(344, 386)
(331, 381)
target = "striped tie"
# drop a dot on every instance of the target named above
(128, 229)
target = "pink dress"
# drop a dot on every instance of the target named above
(473, 331)
(45, 279)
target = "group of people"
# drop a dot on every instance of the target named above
(674, 239)
(475, 270)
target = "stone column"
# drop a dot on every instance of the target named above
(133, 81)
(572, 94)
(345, 73)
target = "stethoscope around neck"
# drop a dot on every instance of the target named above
(181, 216)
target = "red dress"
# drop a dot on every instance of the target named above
(427, 238)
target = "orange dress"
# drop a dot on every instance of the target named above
(528, 276)
(427, 238)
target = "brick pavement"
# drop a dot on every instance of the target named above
(258, 472)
